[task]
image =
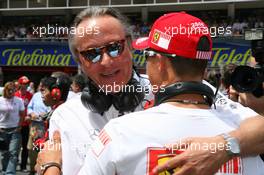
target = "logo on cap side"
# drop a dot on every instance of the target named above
(156, 37)
(161, 39)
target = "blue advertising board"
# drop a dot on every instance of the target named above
(35, 54)
(223, 53)
(58, 54)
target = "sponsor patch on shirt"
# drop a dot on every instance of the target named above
(161, 39)
(100, 143)
(157, 156)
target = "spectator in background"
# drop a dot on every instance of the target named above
(11, 35)
(244, 25)
(213, 77)
(26, 97)
(54, 92)
(78, 83)
(22, 31)
(36, 110)
(31, 87)
(1, 91)
(16, 85)
(248, 99)
(144, 29)
(58, 74)
(226, 78)
(259, 23)
(11, 115)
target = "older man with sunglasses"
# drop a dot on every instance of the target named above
(106, 59)
(113, 87)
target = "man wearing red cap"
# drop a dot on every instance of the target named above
(26, 97)
(50, 158)
(176, 60)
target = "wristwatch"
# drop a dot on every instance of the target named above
(232, 145)
(44, 167)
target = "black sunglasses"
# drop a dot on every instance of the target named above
(152, 53)
(113, 49)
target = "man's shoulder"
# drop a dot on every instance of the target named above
(73, 104)
(37, 94)
(134, 117)
(29, 94)
(71, 110)
(18, 99)
(17, 93)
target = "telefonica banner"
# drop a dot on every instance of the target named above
(58, 54)
(35, 54)
(223, 53)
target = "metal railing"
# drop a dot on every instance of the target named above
(7, 5)
(65, 39)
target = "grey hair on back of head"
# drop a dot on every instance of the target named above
(96, 12)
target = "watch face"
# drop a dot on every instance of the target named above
(234, 145)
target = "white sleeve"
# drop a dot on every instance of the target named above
(30, 105)
(223, 103)
(21, 105)
(236, 112)
(54, 123)
(101, 158)
(71, 161)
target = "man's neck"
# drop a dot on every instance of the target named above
(23, 92)
(56, 105)
(194, 101)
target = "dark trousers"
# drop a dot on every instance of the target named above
(24, 154)
(12, 139)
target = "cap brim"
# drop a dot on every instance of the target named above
(141, 43)
(25, 82)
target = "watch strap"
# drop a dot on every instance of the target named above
(228, 139)
(46, 166)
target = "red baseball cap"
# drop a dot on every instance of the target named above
(23, 80)
(178, 34)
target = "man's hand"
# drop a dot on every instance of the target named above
(33, 116)
(233, 94)
(249, 100)
(51, 152)
(27, 118)
(196, 161)
(18, 129)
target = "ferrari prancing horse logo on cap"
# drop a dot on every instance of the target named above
(156, 37)
(161, 39)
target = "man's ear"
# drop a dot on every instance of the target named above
(129, 42)
(161, 62)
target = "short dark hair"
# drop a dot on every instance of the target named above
(97, 12)
(191, 66)
(226, 74)
(62, 82)
(79, 79)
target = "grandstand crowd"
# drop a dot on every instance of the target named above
(21, 32)
(35, 125)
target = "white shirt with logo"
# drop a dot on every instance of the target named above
(9, 111)
(80, 126)
(134, 144)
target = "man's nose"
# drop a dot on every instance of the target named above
(106, 60)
